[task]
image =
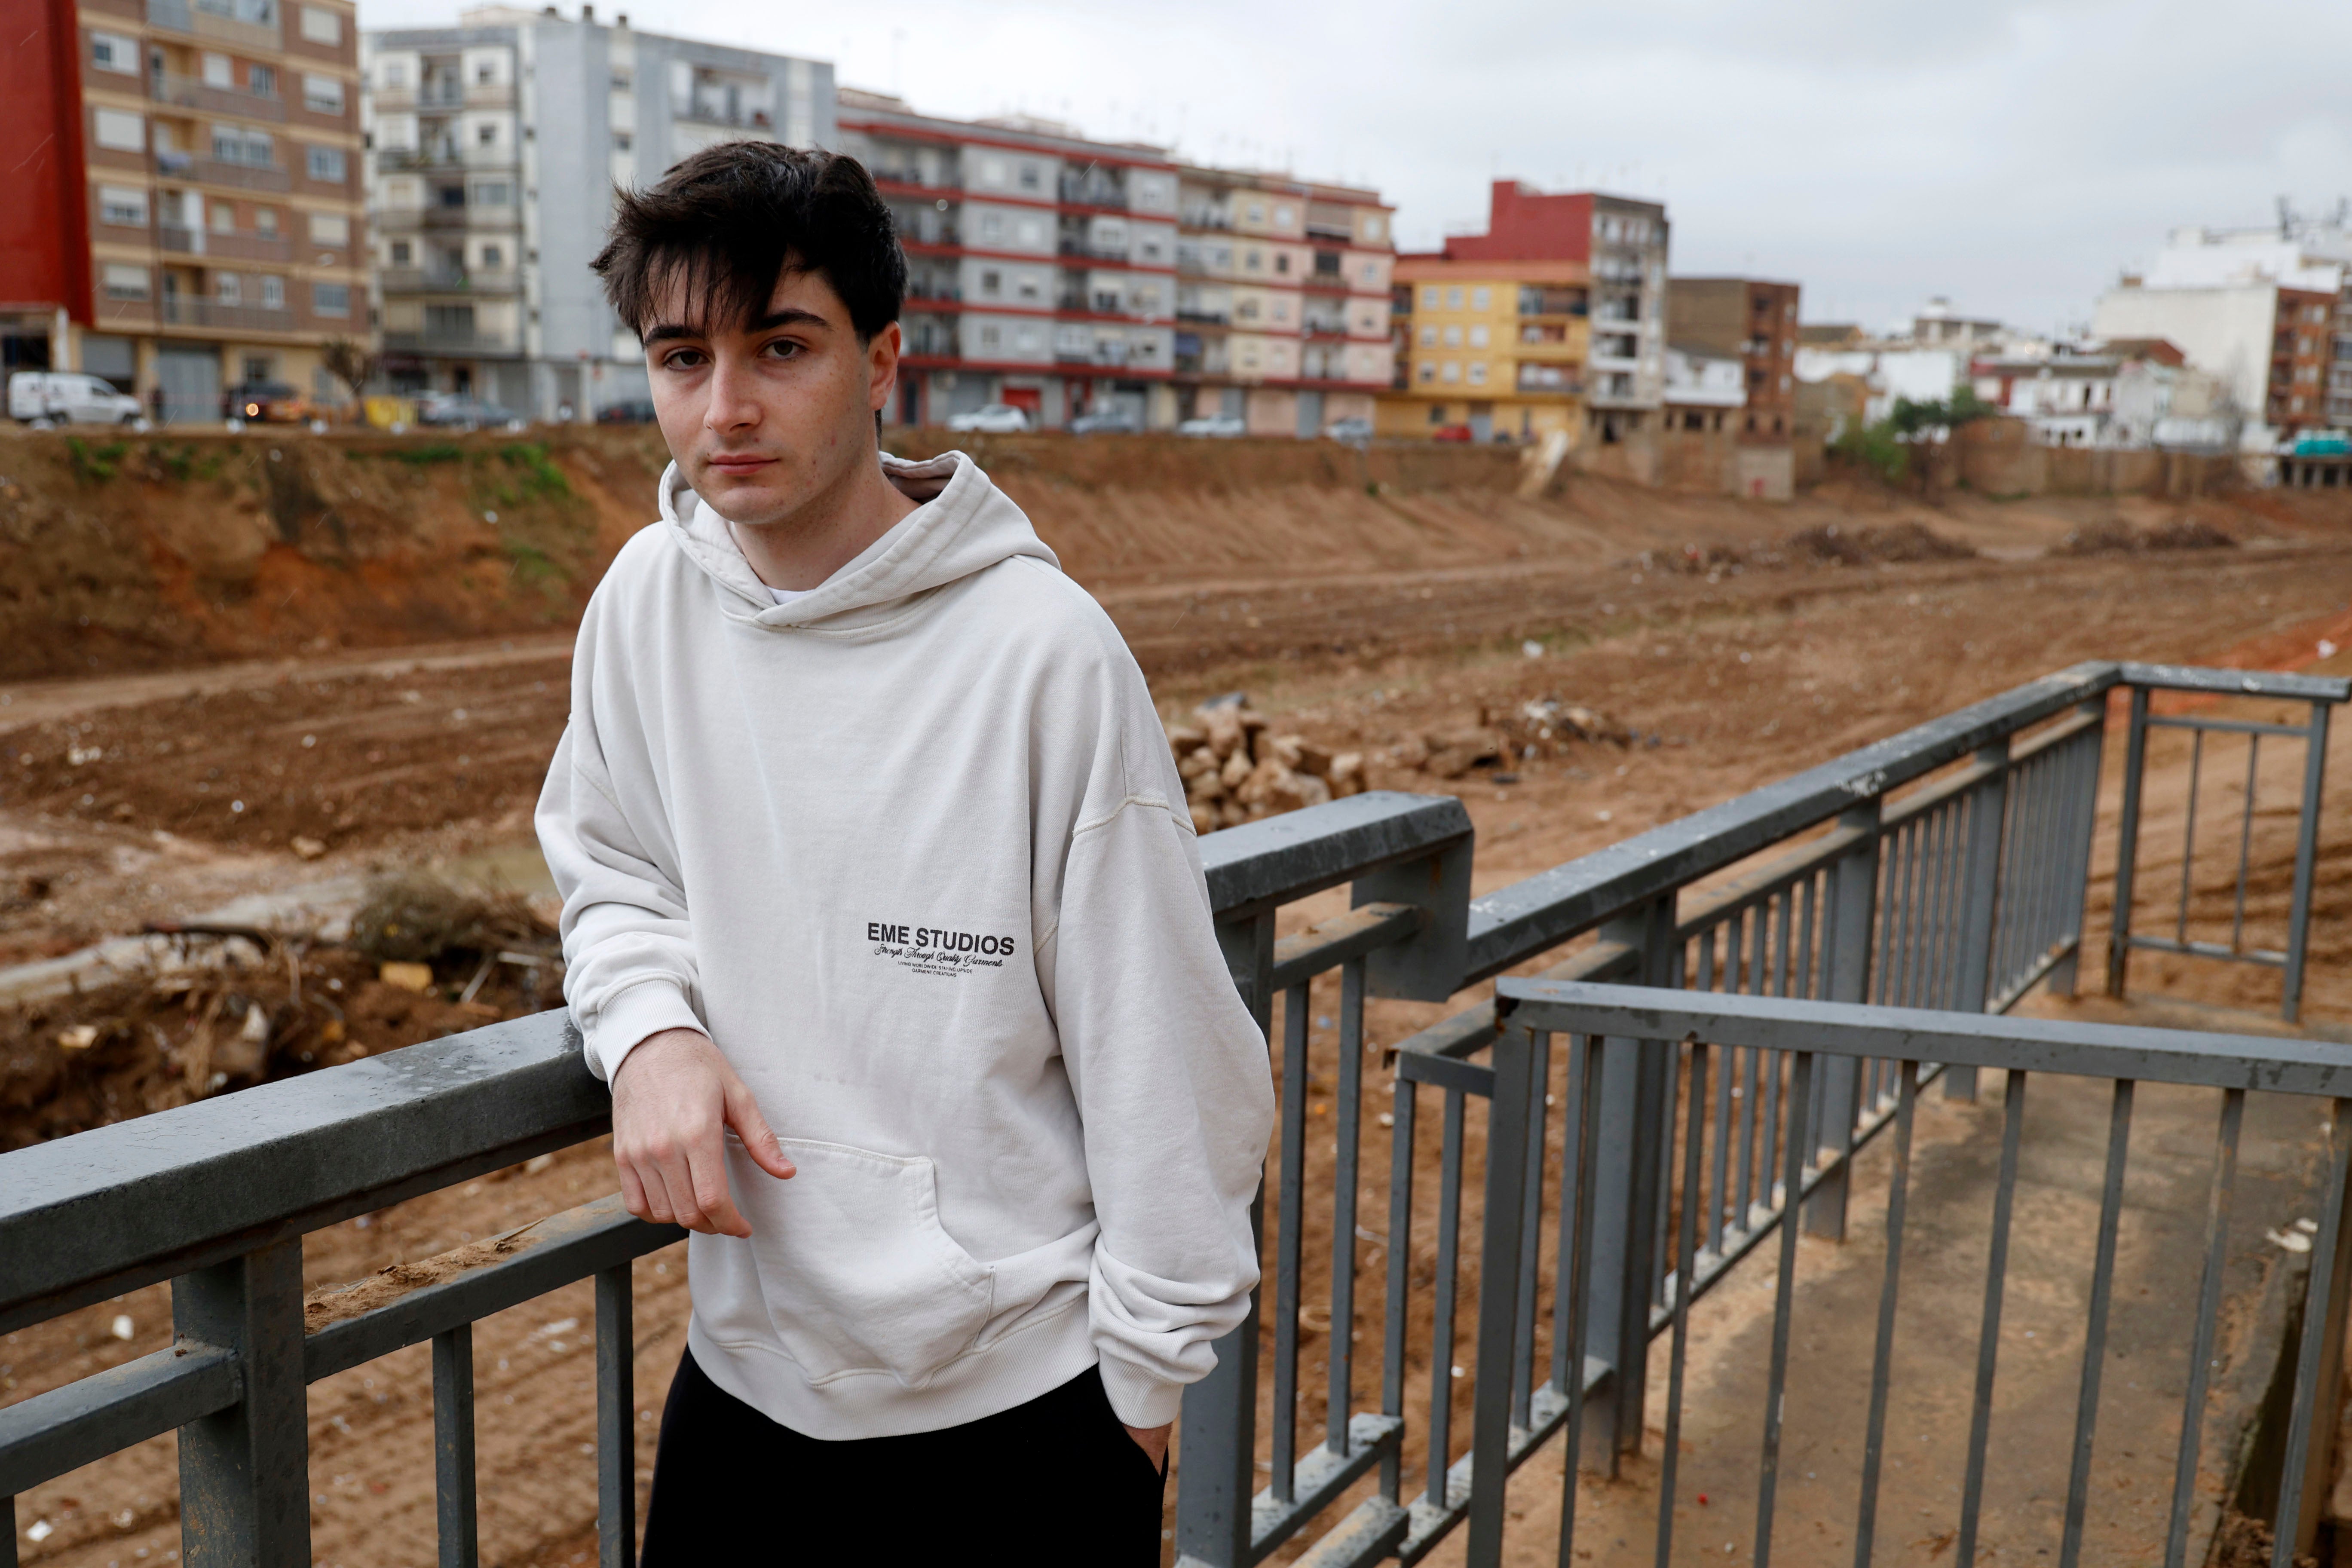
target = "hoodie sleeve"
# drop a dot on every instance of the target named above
(628, 941)
(1171, 1077)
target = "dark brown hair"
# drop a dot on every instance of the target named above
(727, 222)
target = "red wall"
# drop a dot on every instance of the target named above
(44, 190)
(1524, 224)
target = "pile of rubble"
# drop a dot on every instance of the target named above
(1504, 738)
(1236, 770)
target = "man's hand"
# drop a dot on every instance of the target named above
(1153, 1441)
(673, 1099)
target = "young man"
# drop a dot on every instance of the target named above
(885, 922)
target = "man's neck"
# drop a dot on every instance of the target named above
(799, 552)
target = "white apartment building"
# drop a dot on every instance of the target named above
(494, 148)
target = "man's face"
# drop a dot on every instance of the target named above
(764, 417)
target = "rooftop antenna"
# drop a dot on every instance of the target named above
(2286, 219)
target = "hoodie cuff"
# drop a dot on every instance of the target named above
(637, 1013)
(1138, 1398)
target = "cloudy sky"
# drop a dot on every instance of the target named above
(2011, 154)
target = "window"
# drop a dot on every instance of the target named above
(113, 52)
(1478, 334)
(321, 25)
(991, 225)
(1452, 371)
(255, 149)
(120, 129)
(230, 287)
(494, 256)
(1429, 298)
(992, 337)
(265, 221)
(322, 94)
(492, 193)
(403, 254)
(330, 298)
(1454, 337)
(273, 293)
(224, 218)
(1029, 176)
(326, 164)
(1253, 261)
(331, 228)
(486, 75)
(1026, 340)
(1284, 216)
(1479, 373)
(1032, 231)
(1029, 288)
(1428, 370)
(214, 71)
(260, 13)
(123, 204)
(395, 73)
(1481, 299)
(486, 134)
(262, 81)
(991, 171)
(1453, 298)
(622, 142)
(1372, 226)
(1257, 212)
(125, 282)
(991, 281)
(1282, 261)
(1428, 336)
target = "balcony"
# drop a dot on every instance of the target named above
(927, 289)
(443, 155)
(451, 340)
(1080, 192)
(1079, 248)
(706, 111)
(448, 281)
(233, 246)
(1324, 329)
(1205, 318)
(483, 219)
(1540, 301)
(189, 92)
(1322, 229)
(215, 172)
(178, 310)
(1554, 378)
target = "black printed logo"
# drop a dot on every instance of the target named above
(931, 950)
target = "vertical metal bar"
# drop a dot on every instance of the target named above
(1806, 907)
(1744, 1062)
(453, 1446)
(1392, 1331)
(1289, 1240)
(1345, 1174)
(2208, 1310)
(1873, 1443)
(2245, 844)
(1686, 1276)
(1706, 959)
(1853, 886)
(1218, 1476)
(1523, 1358)
(1440, 1330)
(2319, 1358)
(2128, 844)
(2089, 752)
(245, 1494)
(1980, 894)
(1783, 907)
(1784, 1300)
(2095, 1335)
(1774, 1142)
(1719, 1180)
(2004, 1196)
(617, 1425)
(1571, 1301)
(1508, 1118)
(8, 1525)
(2189, 833)
(1636, 1095)
(2307, 855)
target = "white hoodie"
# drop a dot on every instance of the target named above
(912, 850)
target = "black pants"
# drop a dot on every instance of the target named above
(1057, 1480)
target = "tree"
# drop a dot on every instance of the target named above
(348, 362)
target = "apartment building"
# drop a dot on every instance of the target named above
(192, 221)
(1755, 322)
(1282, 300)
(1553, 318)
(1041, 265)
(496, 146)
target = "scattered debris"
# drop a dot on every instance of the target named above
(412, 977)
(1236, 770)
(2116, 537)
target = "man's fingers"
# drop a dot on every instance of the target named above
(633, 1191)
(708, 1175)
(758, 1139)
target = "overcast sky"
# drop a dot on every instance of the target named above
(2011, 154)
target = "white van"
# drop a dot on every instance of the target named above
(68, 397)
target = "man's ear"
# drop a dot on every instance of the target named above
(882, 367)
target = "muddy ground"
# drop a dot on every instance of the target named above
(1745, 660)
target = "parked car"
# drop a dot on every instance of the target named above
(1107, 422)
(993, 420)
(1451, 433)
(452, 411)
(45, 398)
(632, 411)
(1224, 426)
(1354, 431)
(266, 402)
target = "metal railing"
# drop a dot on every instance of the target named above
(1941, 872)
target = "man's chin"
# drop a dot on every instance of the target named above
(749, 501)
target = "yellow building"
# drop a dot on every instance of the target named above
(1496, 348)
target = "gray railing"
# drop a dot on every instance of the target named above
(1943, 868)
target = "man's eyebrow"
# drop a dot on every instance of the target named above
(670, 332)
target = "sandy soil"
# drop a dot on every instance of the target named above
(1743, 673)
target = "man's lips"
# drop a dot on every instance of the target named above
(736, 465)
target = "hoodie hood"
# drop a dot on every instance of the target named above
(963, 524)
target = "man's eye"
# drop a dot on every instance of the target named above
(684, 359)
(783, 348)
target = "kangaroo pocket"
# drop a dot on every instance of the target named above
(851, 1269)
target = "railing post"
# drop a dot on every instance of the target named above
(2127, 844)
(1852, 915)
(2306, 853)
(2083, 831)
(1499, 1271)
(1980, 896)
(2312, 1422)
(1626, 1202)
(1218, 1476)
(616, 1419)
(245, 1472)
